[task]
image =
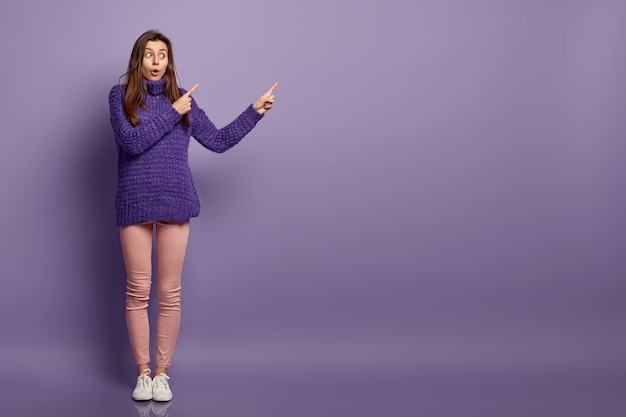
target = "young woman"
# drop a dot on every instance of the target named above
(153, 120)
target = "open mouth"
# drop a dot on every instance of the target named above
(155, 72)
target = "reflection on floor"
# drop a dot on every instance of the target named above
(317, 392)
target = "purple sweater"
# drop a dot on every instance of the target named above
(154, 179)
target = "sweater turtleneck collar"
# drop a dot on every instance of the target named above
(155, 87)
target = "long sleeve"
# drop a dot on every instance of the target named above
(220, 140)
(151, 128)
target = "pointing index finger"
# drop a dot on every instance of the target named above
(272, 88)
(191, 90)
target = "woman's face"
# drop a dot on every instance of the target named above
(154, 63)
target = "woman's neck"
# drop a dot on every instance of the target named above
(155, 87)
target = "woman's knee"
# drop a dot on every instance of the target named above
(138, 291)
(169, 296)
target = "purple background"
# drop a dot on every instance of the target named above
(437, 193)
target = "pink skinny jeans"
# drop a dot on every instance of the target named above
(171, 244)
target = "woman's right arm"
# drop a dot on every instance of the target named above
(151, 128)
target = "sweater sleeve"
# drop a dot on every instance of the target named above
(221, 140)
(151, 128)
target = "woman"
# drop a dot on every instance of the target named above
(153, 120)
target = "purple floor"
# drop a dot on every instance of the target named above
(309, 389)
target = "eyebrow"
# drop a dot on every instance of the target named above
(160, 50)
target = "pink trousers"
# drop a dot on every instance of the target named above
(171, 244)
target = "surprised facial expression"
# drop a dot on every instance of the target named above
(154, 63)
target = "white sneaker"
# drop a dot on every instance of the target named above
(143, 389)
(161, 388)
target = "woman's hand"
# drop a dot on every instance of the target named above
(264, 103)
(183, 104)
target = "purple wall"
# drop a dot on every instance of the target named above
(440, 184)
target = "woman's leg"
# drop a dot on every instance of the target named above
(136, 242)
(171, 244)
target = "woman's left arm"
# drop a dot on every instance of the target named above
(220, 140)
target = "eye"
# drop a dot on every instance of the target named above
(162, 56)
(148, 55)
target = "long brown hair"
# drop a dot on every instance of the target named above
(135, 83)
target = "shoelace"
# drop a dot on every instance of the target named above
(144, 378)
(160, 381)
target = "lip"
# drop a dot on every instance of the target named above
(154, 73)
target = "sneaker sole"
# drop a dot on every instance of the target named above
(162, 399)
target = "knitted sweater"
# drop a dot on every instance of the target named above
(154, 180)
